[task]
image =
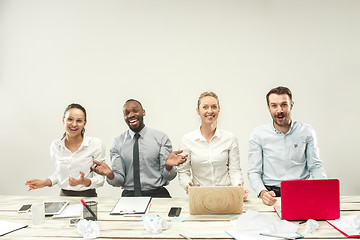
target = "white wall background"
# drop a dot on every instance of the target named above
(165, 53)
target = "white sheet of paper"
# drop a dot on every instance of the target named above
(7, 227)
(344, 223)
(71, 211)
(255, 234)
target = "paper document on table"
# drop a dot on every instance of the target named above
(8, 227)
(255, 234)
(131, 205)
(345, 225)
(71, 211)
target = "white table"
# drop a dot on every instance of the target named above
(121, 227)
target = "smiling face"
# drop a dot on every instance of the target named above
(74, 122)
(280, 107)
(208, 110)
(134, 115)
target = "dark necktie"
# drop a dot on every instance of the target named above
(137, 185)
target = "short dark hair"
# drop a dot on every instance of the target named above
(279, 91)
(133, 100)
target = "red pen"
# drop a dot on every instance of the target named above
(88, 208)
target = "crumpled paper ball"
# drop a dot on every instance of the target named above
(311, 226)
(88, 229)
(155, 225)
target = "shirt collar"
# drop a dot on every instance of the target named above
(292, 126)
(200, 137)
(85, 142)
(132, 133)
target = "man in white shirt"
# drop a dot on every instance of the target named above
(282, 150)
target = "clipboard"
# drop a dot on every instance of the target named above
(131, 205)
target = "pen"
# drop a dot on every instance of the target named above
(94, 166)
(302, 222)
(91, 170)
(277, 236)
(181, 235)
(88, 208)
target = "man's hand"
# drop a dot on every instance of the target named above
(268, 197)
(103, 169)
(174, 159)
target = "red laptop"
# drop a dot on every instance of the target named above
(310, 199)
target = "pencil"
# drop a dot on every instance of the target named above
(277, 236)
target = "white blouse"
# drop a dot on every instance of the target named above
(69, 164)
(210, 164)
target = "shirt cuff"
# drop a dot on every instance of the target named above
(169, 175)
(53, 180)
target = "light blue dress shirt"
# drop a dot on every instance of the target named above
(154, 148)
(275, 156)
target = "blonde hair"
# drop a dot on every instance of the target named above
(208, 94)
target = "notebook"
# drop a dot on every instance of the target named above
(215, 200)
(309, 199)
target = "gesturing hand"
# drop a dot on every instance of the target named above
(37, 183)
(103, 169)
(79, 181)
(174, 159)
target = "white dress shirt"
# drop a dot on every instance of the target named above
(69, 164)
(216, 163)
(275, 156)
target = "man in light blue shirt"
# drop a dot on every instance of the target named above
(156, 161)
(282, 150)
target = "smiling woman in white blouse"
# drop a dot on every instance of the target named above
(73, 155)
(213, 154)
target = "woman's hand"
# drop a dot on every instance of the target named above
(190, 185)
(37, 183)
(79, 181)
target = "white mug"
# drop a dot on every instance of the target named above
(38, 213)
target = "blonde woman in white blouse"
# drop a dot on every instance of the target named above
(73, 155)
(213, 154)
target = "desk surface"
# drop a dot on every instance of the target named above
(120, 227)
